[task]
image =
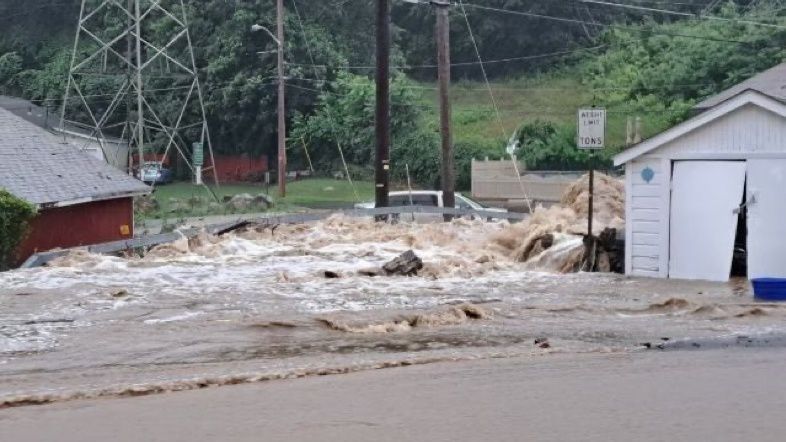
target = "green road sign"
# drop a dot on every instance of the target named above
(199, 155)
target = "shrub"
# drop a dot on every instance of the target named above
(421, 151)
(548, 146)
(15, 214)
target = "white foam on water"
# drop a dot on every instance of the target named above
(181, 317)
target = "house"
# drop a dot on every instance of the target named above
(709, 194)
(112, 150)
(81, 200)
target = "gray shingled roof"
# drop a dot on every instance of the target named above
(39, 167)
(771, 82)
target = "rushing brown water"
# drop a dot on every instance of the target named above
(257, 305)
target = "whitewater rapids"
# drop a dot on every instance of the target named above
(256, 306)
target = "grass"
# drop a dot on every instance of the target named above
(520, 101)
(326, 192)
(183, 200)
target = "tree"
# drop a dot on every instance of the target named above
(344, 116)
(10, 67)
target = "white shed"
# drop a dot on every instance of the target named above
(712, 189)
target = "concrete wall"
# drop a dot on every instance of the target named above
(497, 181)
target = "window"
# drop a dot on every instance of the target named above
(463, 204)
(417, 200)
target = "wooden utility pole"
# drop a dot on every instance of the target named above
(448, 178)
(282, 116)
(382, 163)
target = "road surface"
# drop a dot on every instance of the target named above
(718, 395)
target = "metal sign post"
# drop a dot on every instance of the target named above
(591, 137)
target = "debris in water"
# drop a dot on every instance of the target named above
(275, 324)
(543, 343)
(752, 312)
(454, 316)
(407, 264)
(552, 238)
(49, 321)
(371, 273)
(122, 293)
(331, 275)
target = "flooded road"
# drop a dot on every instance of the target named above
(257, 305)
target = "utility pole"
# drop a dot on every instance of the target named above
(282, 117)
(382, 163)
(448, 178)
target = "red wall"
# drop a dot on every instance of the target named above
(238, 168)
(80, 225)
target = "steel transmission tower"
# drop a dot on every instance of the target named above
(133, 85)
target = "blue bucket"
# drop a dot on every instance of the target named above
(769, 289)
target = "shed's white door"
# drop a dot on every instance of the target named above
(704, 196)
(767, 219)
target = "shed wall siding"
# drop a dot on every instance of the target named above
(73, 226)
(646, 217)
(747, 131)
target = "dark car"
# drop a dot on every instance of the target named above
(155, 173)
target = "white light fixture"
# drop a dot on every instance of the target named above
(258, 27)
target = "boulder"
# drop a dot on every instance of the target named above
(263, 201)
(243, 201)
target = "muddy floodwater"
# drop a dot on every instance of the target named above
(257, 305)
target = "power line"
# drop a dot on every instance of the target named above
(681, 14)
(613, 26)
(494, 103)
(465, 63)
(216, 87)
(333, 124)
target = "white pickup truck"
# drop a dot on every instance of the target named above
(429, 198)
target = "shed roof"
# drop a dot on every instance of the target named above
(771, 83)
(745, 98)
(40, 168)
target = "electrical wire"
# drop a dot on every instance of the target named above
(494, 103)
(612, 26)
(333, 124)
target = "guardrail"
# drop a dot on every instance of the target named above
(41, 259)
